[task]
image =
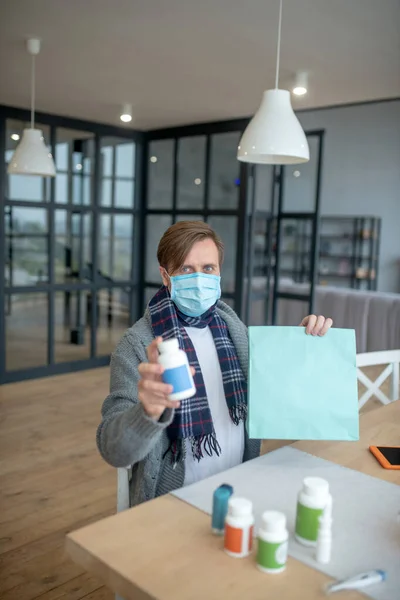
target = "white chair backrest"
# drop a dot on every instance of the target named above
(123, 496)
(123, 502)
(391, 358)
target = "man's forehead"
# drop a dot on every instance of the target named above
(206, 263)
(202, 249)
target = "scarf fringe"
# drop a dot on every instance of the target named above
(238, 413)
(207, 444)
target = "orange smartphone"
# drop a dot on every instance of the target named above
(388, 456)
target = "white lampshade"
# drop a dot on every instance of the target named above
(31, 156)
(274, 136)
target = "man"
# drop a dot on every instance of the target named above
(171, 444)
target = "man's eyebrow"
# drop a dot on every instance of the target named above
(206, 265)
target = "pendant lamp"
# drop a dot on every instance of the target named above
(31, 156)
(274, 136)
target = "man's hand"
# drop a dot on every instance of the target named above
(153, 393)
(316, 325)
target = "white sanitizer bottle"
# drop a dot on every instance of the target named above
(176, 370)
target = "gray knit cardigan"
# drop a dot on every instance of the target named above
(126, 436)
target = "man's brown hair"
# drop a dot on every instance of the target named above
(179, 239)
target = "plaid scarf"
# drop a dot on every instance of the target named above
(193, 420)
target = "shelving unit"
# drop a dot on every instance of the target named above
(348, 250)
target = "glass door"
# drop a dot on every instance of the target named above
(282, 233)
(69, 274)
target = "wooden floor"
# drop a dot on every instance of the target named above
(52, 480)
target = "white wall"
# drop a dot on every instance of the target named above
(361, 172)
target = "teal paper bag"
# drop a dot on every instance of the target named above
(302, 387)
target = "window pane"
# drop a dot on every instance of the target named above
(125, 159)
(86, 192)
(72, 326)
(295, 249)
(75, 165)
(156, 226)
(115, 246)
(72, 251)
(160, 174)
(224, 171)
(26, 220)
(88, 163)
(122, 246)
(62, 156)
(26, 331)
(24, 187)
(191, 172)
(106, 191)
(118, 172)
(113, 318)
(124, 193)
(61, 191)
(26, 246)
(106, 160)
(77, 160)
(226, 227)
(263, 188)
(189, 218)
(77, 189)
(264, 233)
(300, 183)
(81, 189)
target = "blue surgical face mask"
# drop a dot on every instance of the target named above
(195, 293)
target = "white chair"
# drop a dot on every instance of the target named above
(123, 501)
(391, 358)
(123, 496)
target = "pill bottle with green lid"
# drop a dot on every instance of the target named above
(272, 542)
(312, 499)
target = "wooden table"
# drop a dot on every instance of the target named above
(163, 549)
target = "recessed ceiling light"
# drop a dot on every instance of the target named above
(299, 90)
(301, 84)
(126, 115)
(78, 167)
(197, 181)
(15, 137)
(153, 159)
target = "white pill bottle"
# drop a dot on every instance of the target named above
(176, 370)
(239, 527)
(272, 542)
(312, 499)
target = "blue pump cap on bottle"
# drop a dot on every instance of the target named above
(220, 507)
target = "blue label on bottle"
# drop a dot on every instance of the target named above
(179, 379)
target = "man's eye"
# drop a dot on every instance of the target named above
(209, 269)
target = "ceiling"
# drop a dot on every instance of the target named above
(186, 61)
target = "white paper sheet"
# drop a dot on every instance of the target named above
(366, 531)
